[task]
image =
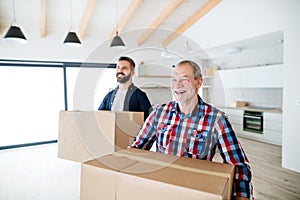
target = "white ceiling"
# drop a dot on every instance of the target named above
(103, 18)
(103, 21)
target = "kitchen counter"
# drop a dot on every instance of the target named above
(258, 109)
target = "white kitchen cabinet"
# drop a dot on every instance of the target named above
(232, 78)
(235, 117)
(273, 127)
(256, 77)
(267, 76)
(278, 75)
(259, 77)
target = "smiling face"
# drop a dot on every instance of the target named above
(124, 71)
(184, 85)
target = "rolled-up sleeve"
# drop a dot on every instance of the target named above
(232, 153)
(146, 135)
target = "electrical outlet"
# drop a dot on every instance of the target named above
(297, 102)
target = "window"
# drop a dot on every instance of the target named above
(31, 98)
(86, 87)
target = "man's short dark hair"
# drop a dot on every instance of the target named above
(132, 64)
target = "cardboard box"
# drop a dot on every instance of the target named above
(90, 134)
(137, 174)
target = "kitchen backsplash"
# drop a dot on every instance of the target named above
(262, 97)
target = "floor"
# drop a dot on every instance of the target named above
(36, 173)
(270, 180)
(33, 173)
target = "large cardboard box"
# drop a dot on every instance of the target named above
(85, 135)
(137, 174)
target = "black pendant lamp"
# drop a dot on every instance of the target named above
(72, 39)
(14, 33)
(117, 41)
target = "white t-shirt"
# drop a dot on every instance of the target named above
(118, 103)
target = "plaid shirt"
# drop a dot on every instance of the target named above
(196, 135)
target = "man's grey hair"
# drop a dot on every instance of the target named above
(196, 68)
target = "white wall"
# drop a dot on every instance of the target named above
(291, 91)
(234, 20)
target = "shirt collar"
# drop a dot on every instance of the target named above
(199, 108)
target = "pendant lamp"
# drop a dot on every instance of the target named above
(117, 41)
(72, 39)
(14, 33)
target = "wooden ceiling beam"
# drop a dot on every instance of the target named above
(89, 8)
(134, 4)
(167, 11)
(43, 18)
(210, 4)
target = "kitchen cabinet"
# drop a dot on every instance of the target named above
(270, 76)
(235, 117)
(232, 78)
(273, 128)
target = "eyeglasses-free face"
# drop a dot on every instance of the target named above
(123, 72)
(183, 84)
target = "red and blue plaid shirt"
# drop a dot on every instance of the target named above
(196, 135)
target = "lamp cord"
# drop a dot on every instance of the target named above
(117, 15)
(14, 11)
(71, 14)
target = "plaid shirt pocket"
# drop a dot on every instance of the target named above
(195, 144)
(164, 135)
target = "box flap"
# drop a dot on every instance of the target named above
(147, 156)
(111, 162)
(220, 169)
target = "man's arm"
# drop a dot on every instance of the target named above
(147, 134)
(145, 105)
(105, 102)
(232, 153)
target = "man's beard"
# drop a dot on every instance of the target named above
(123, 79)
